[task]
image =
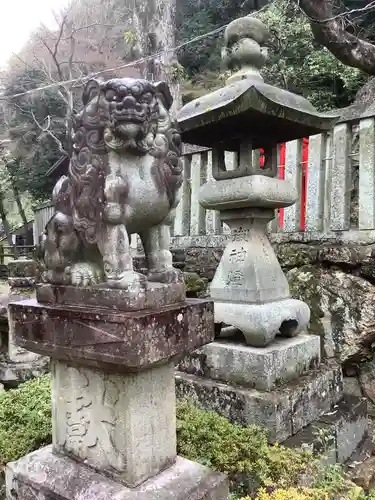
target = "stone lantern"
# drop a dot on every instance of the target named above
(275, 376)
(249, 289)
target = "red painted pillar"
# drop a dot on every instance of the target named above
(305, 160)
(282, 176)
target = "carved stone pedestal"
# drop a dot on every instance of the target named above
(284, 388)
(113, 394)
(52, 476)
(18, 364)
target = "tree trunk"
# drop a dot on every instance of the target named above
(17, 196)
(331, 31)
(21, 211)
(155, 30)
(4, 220)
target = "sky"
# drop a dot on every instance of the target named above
(18, 18)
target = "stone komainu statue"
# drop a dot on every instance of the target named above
(124, 177)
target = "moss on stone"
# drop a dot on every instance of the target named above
(305, 285)
(22, 291)
(295, 255)
(194, 283)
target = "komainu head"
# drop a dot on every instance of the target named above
(124, 115)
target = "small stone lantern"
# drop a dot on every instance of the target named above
(250, 290)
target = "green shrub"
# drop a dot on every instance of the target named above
(25, 419)
(242, 453)
(354, 493)
(292, 494)
(254, 467)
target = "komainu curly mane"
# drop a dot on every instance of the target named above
(124, 177)
(94, 137)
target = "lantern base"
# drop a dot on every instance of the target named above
(260, 323)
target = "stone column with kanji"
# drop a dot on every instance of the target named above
(114, 334)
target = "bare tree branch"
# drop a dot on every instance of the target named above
(53, 55)
(47, 130)
(330, 31)
(364, 10)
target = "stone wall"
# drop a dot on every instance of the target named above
(337, 282)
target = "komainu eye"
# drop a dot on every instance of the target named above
(146, 98)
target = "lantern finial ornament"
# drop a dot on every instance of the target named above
(244, 50)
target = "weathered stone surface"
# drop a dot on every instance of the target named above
(335, 435)
(299, 254)
(154, 296)
(356, 259)
(123, 426)
(291, 256)
(364, 450)
(22, 268)
(203, 261)
(195, 284)
(366, 382)
(259, 368)
(364, 474)
(351, 425)
(352, 387)
(317, 438)
(4, 300)
(283, 412)
(124, 341)
(18, 364)
(22, 282)
(249, 288)
(12, 373)
(46, 476)
(336, 280)
(341, 309)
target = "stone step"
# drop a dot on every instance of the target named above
(283, 411)
(12, 373)
(263, 368)
(338, 434)
(365, 450)
(46, 476)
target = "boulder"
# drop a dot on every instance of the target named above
(203, 261)
(355, 259)
(342, 309)
(366, 380)
(352, 387)
(363, 474)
